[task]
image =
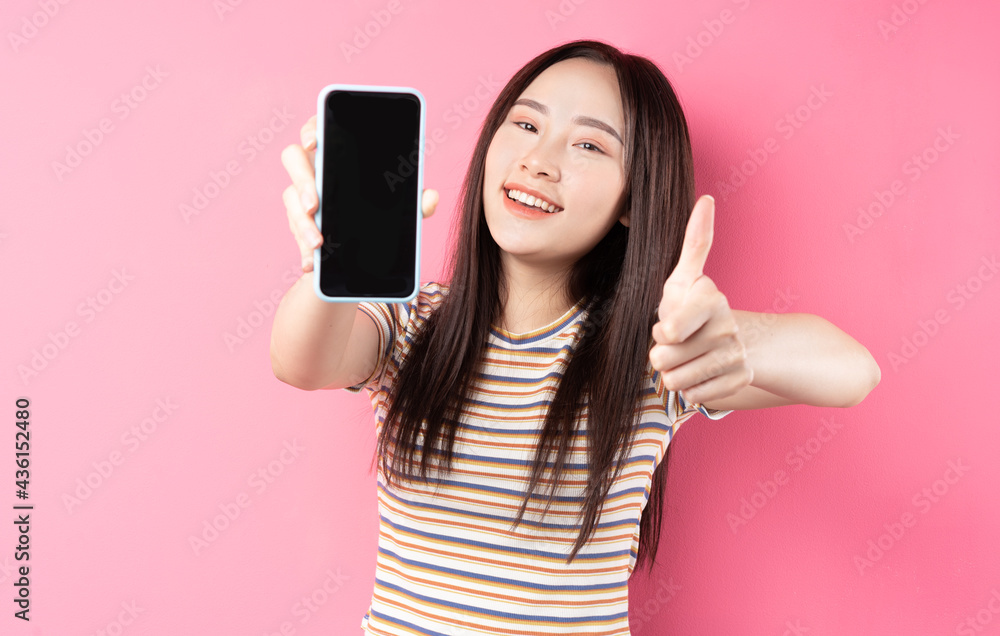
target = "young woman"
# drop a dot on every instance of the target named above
(524, 410)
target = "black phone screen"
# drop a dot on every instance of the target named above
(369, 201)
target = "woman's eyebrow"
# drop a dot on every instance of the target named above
(579, 119)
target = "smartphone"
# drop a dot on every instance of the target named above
(369, 178)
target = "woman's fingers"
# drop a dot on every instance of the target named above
(718, 386)
(301, 201)
(300, 169)
(298, 224)
(430, 201)
(725, 361)
(308, 133)
(296, 161)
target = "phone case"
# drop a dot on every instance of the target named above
(320, 124)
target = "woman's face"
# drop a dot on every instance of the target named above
(562, 140)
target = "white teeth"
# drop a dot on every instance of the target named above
(530, 200)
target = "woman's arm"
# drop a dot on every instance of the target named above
(316, 344)
(798, 359)
(726, 359)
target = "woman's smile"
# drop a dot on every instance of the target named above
(558, 150)
(527, 206)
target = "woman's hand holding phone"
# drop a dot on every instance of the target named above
(301, 199)
(317, 344)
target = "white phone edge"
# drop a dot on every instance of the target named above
(317, 253)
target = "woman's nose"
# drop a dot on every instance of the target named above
(543, 159)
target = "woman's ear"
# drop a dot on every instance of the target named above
(623, 219)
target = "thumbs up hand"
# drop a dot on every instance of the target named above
(698, 349)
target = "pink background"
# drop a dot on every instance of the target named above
(120, 558)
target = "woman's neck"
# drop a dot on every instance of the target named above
(535, 297)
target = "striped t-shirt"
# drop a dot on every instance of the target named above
(448, 563)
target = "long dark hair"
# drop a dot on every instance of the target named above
(621, 280)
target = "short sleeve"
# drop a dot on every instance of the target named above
(394, 335)
(678, 410)
(381, 315)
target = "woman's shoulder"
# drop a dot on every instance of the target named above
(433, 291)
(434, 287)
(428, 298)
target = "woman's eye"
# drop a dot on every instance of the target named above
(593, 148)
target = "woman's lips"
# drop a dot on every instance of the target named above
(523, 210)
(531, 198)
